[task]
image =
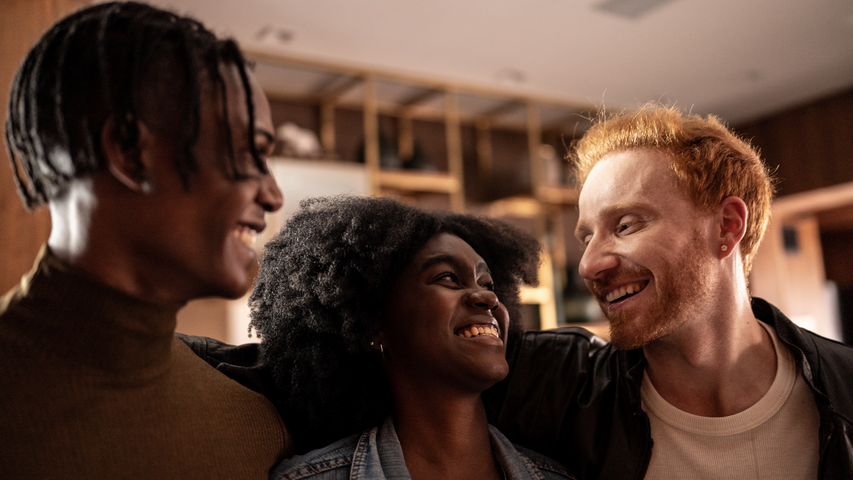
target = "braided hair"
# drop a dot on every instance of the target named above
(321, 291)
(113, 62)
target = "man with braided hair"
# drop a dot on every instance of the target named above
(146, 136)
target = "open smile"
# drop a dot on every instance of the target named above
(248, 233)
(477, 330)
(624, 292)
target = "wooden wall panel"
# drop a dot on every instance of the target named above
(22, 233)
(810, 146)
(838, 256)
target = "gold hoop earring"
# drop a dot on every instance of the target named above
(724, 247)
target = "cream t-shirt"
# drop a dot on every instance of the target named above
(775, 438)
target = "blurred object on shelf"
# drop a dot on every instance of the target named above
(419, 160)
(388, 155)
(297, 142)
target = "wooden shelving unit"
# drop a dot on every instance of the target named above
(409, 98)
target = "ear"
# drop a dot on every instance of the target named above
(731, 220)
(125, 164)
(377, 345)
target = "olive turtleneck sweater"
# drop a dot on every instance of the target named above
(95, 385)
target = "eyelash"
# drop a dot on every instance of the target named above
(488, 285)
(620, 227)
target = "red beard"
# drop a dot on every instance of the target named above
(680, 288)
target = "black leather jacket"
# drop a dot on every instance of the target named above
(576, 399)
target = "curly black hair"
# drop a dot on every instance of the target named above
(121, 62)
(321, 289)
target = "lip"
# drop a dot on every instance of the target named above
(258, 226)
(246, 233)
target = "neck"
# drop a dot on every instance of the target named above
(71, 219)
(444, 436)
(89, 235)
(717, 365)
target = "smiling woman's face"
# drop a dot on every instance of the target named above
(443, 324)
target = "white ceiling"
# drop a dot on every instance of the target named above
(740, 59)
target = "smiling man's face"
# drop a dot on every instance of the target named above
(647, 247)
(199, 241)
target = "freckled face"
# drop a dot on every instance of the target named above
(647, 249)
(443, 324)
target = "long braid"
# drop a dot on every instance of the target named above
(190, 126)
(238, 60)
(31, 117)
(15, 136)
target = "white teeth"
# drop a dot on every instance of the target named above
(247, 236)
(622, 291)
(477, 330)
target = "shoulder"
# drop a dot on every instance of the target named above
(328, 463)
(828, 362)
(560, 346)
(566, 335)
(562, 354)
(241, 363)
(831, 353)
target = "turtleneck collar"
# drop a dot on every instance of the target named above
(74, 316)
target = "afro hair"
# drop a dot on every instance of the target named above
(321, 290)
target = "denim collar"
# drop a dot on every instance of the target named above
(379, 455)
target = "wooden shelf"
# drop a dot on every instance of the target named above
(418, 181)
(518, 207)
(410, 98)
(557, 194)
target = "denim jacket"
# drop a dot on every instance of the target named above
(376, 454)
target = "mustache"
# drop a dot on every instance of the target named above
(598, 285)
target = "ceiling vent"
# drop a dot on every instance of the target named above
(630, 9)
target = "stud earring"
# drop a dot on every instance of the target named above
(724, 248)
(381, 349)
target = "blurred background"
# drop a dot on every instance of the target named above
(471, 105)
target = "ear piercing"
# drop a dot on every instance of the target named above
(381, 349)
(724, 248)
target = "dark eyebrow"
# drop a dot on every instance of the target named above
(454, 262)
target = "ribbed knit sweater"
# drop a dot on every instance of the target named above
(93, 384)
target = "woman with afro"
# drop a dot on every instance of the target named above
(383, 325)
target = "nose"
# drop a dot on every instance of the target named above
(597, 259)
(485, 299)
(269, 195)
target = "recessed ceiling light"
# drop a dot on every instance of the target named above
(511, 76)
(631, 9)
(275, 34)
